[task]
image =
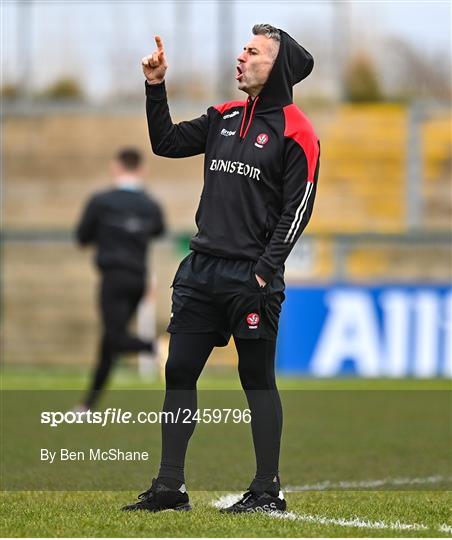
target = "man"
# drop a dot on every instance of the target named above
(120, 222)
(261, 168)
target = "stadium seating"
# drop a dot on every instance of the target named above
(54, 162)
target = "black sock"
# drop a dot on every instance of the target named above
(171, 483)
(267, 483)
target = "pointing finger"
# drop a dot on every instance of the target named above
(159, 43)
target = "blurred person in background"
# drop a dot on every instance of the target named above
(260, 179)
(120, 222)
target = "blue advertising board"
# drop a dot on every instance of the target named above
(368, 331)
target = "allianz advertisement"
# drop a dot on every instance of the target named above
(367, 331)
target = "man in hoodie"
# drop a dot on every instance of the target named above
(260, 177)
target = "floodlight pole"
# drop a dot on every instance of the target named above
(24, 52)
(341, 41)
(414, 167)
(184, 39)
(225, 49)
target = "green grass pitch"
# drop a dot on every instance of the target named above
(421, 512)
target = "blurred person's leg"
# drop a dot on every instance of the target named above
(110, 305)
(105, 361)
(187, 357)
(257, 375)
(120, 293)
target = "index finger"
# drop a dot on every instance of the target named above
(159, 43)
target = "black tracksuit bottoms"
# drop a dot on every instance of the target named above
(188, 354)
(214, 297)
(120, 293)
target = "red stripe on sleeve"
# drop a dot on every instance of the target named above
(228, 105)
(299, 128)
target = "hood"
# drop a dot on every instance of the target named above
(293, 64)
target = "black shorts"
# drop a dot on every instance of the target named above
(213, 294)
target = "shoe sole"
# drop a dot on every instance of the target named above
(181, 508)
(254, 511)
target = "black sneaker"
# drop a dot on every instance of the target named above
(257, 501)
(160, 497)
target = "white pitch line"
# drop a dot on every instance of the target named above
(226, 500)
(327, 484)
(231, 498)
(354, 522)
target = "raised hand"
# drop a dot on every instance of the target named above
(155, 66)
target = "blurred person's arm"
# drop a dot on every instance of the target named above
(86, 230)
(158, 222)
(167, 139)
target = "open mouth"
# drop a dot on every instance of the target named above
(239, 73)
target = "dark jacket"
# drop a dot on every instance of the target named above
(121, 222)
(261, 165)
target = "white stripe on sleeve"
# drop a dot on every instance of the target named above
(299, 214)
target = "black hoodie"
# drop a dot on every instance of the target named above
(121, 222)
(260, 169)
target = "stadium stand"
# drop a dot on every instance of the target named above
(52, 162)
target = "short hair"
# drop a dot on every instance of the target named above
(267, 30)
(270, 32)
(129, 158)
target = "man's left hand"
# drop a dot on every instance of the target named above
(261, 282)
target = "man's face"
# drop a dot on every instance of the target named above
(255, 64)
